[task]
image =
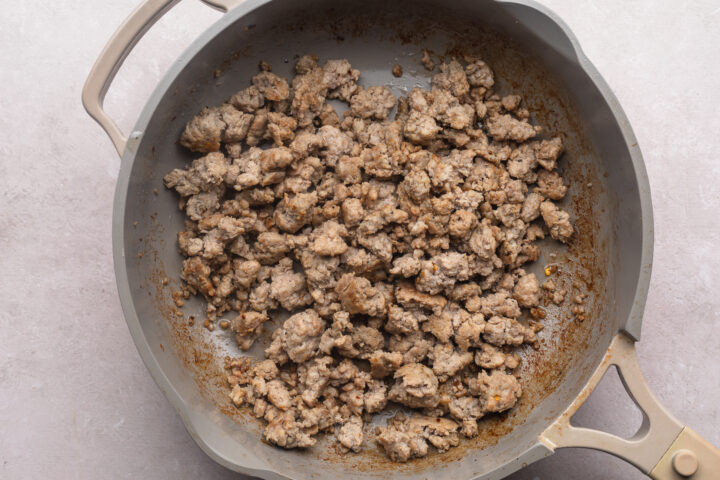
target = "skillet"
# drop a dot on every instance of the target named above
(534, 54)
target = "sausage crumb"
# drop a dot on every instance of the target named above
(427, 62)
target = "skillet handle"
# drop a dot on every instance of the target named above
(113, 55)
(662, 448)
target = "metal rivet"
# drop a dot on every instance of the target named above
(685, 463)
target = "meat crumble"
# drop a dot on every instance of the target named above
(395, 241)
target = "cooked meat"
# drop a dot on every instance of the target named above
(452, 79)
(506, 127)
(357, 295)
(547, 153)
(527, 291)
(467, 410)
(374, 102)
(442, 271)
(271, 86)
(278, 394)
(420, 128)
(479, 74)
(341, 79)
(499, 390)
(350, 435)
(248, 100)
(392, 245)
(490, 357)
(447, 361)
(557, 220)
(284, 431)
(414, 347)
(531, 207)
(248, 326)
(505, 331)
(416, 386)
(204, 132)
(405, 438)
(550, 184)
(289, 288)
(299, 337)
(427, 61)
(383, 364)
(328, 239)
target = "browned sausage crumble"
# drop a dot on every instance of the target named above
(396, 242)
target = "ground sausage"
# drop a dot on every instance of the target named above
(385, 241)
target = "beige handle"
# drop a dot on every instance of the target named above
(661, 448)
(115, 52)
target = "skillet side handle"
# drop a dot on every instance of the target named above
(114, 54)
(689, 453)
(662, 447)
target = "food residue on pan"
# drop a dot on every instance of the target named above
(396, 244)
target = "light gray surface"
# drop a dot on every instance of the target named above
(75, 399)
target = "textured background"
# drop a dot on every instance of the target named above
(75, 399)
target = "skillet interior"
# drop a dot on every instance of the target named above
(187, 360)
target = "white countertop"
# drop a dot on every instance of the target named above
(76, 400)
